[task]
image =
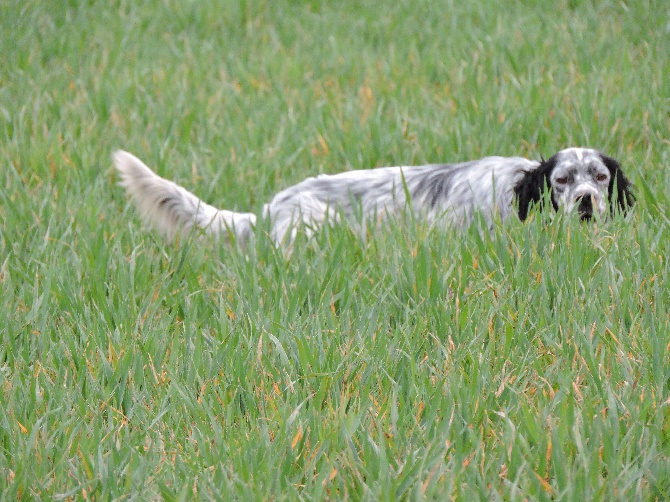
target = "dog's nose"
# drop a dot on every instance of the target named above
(585, 207)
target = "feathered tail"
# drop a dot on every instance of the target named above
(173, 210)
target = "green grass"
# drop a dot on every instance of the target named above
(531, 364)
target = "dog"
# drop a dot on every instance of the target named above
(580, 180)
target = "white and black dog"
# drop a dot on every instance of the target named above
(578, 179)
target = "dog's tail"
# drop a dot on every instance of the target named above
(173, 210)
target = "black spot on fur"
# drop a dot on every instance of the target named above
(620, 189)
(529, 190)
(436, 184)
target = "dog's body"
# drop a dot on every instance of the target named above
(447, 194)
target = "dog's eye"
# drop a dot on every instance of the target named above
(562, 180)
(601, 177)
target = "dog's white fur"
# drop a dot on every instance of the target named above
(448, 194)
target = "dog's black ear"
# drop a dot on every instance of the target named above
(531, 187)
(620, 189)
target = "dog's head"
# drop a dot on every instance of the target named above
(578, 179)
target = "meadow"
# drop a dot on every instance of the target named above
(531, 363)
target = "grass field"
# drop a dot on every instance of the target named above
(530, 364)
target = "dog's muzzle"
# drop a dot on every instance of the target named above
(585, 207)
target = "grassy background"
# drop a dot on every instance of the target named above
(416, 364)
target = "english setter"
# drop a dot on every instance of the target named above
(575, 178)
